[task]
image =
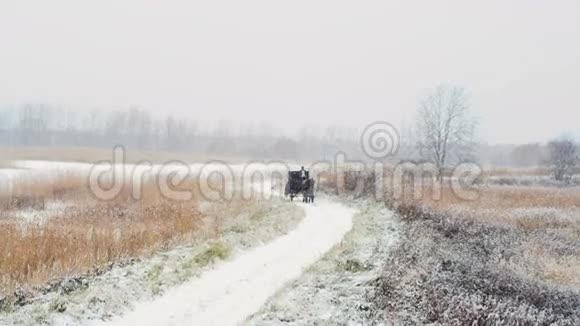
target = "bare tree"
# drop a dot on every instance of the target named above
(445, 127)
(564, 157)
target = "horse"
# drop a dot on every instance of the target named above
(308, 191)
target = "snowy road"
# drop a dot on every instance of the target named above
(233, 290)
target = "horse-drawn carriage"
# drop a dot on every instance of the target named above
(300, 183)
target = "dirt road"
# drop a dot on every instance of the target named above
(233, 290)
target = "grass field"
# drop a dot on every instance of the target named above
(511, 256)
(55, 228)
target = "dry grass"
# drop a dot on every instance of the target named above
(512, 256)
(546, 218)
(89, 233)
(44, 187)
(83, 239)
(518, 172)
(505, 198)
(504, 172)
(454, 271)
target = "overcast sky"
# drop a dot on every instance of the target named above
(297, 62)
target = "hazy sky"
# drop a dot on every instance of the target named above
(297, 62)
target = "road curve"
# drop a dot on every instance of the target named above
(233, 290)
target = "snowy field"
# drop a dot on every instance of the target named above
(110, 292)
(276, 253)
(341, 262)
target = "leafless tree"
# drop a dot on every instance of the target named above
(445, 127)
(564, 157)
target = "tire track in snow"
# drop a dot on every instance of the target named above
(233, 290)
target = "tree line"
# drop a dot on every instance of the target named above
(134, 128)
(443, 133)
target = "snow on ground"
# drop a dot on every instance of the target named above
(225, 294)
(257, 176)
(233, 290)
(334, 290)
(56, 166)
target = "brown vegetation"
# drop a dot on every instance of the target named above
(88, 233)
(511, 256)
(82, 239)
(458, 271)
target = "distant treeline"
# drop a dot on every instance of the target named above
(42, 125)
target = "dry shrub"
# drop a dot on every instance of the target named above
(456, 271)
(327, 181)
(546, 217)
(350, 182)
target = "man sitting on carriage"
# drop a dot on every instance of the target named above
(303, 173)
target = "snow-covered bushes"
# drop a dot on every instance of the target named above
(511, 256)
(454, 271)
